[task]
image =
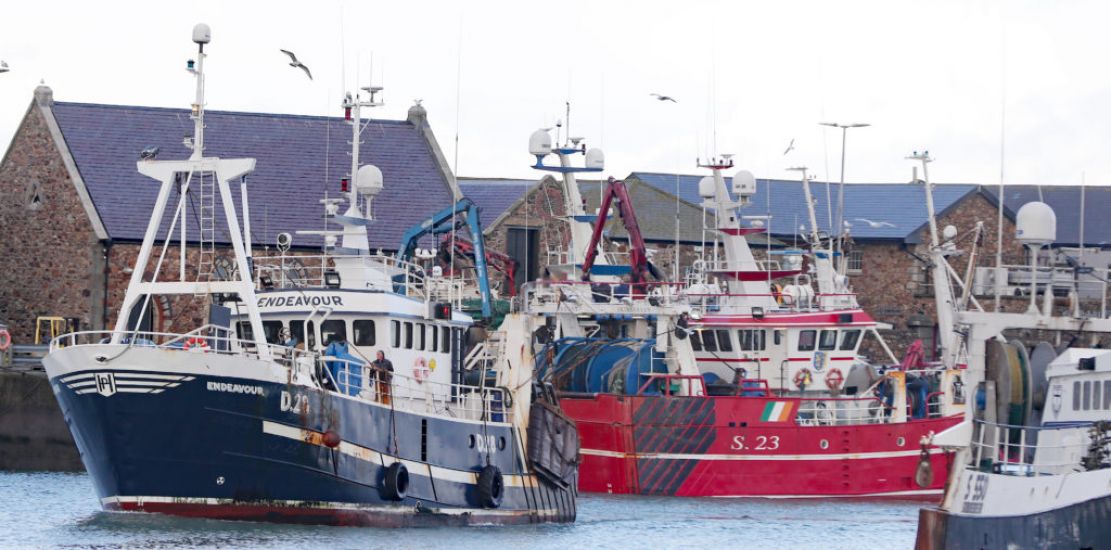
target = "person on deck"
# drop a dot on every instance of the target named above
(383, 373)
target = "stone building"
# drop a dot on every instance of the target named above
(75, 207)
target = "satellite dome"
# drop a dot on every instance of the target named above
(595, 158)
(202, 34)
(949, 233)
(368, 180)
(706, 187)
(1036, 224)
(540, 143)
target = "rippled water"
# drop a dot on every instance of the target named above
(48, 510)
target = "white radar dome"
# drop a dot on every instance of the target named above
(540, 143)
(1036, 224)
(949, 233)
(706, 187)
(595, 158)
(202, 34)
(744, 183)
(368, 180)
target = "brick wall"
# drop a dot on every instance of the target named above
(52, 261)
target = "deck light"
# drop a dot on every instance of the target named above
(331, 278)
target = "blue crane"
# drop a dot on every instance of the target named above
(447, 221)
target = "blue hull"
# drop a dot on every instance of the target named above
(248, 449)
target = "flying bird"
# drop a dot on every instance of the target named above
(875, 224)
(296, 63)
(790, 147)
(663, 97)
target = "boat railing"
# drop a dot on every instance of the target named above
(710, 266)
(841, 411)
(671, 384)
(288, 272)
(351, 378)
(1035, 450)
(772, 302)
(1089, 283)
(596, 297)
(415, 394)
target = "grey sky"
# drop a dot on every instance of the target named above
(927, 75)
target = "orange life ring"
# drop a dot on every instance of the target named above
(421, 371)
(5, 340)
(834, 378)
(197, 343)
(803, 378)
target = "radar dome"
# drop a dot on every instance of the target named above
(706, 187)
(202, 34)
(540, 143)
(744, 183)
(1036, 224)
(595, 158)
(368, 180)
(949, 233)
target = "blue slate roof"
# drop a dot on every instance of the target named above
(1065, 201)
(299, 157)
(899, 204)
(493, 195)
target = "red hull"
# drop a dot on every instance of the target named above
(721, 447)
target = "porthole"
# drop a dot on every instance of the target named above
(900, 441)
(824, 444)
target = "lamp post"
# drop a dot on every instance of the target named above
(841, 186)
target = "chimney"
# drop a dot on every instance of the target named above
(417, 115)
(44, 96)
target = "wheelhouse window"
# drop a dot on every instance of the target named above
(304, 334)
(807, 339)
(395, 330)
(408, 335)
(271, 331)
(1096, 387)
(849, 338)
(363, 330)
(709, 340)
(751, 339)
(696, 340)
(1107, 395)
(445, 345)
(725, 341)
(828, 340)
(435, 337)
(333, 330)
(1087, 396)
(1076, 395)
(421, 328)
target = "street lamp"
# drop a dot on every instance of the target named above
(841, 187)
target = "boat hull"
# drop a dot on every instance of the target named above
(218, 436)
(735, 447)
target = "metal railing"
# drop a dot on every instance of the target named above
(334, 374)
(596, 297)
(1029, 450)
(282, 272)
(742, 304)
(841, 411)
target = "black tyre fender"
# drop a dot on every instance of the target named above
(395, 481)
(491, 487)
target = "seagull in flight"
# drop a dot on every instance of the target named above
(875, 224)
(295, 63)
(663, 97)
(790, 147)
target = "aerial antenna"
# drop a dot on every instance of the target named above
(999, 272)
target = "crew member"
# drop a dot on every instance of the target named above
(383, 373)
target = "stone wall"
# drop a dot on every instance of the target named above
(51, 262)
(33, 434)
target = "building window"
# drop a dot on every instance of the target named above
(855, 261)
(364, 332)
(34, 195)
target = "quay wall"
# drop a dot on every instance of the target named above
(33, 434)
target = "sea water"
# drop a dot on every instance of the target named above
(53, 510)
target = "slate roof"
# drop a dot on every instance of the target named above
(290, 178)
(900, 204)
(493, 195)
(1065, 201)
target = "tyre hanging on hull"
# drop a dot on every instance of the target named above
(395, 482)
(491, 487)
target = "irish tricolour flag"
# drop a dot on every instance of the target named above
(777, 411)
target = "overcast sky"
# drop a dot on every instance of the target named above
(750, 76)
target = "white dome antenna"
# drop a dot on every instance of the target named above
(595, 158)
(706, 187)
(744, 184)
(540, 144)
(1035, 227)
(202, 34)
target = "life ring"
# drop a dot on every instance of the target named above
(803, 378)
(5, 340)
(197, 343)
(421, 371)
(834, 379)
(491, 487)
(395, 481)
